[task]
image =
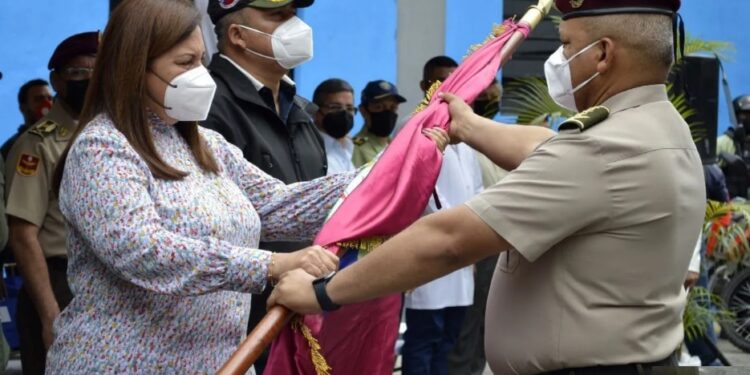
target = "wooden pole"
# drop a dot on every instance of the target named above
(278, 316)
(257, 341)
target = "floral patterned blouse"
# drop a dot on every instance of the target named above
(162, 270)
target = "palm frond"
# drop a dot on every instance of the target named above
(680, 102)
(702, 309)
(529, 99)
(724, 50)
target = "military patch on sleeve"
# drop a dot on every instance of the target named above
(28, 165)
(585, 120)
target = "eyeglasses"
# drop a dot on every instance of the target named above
(76, 73)
(334, 107)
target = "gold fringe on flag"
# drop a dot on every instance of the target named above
(497, 30)
(366, 245)
(427, 97)
(320, 363)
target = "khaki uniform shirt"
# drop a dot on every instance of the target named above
(29, 170)
(603, 224)
(367, 146)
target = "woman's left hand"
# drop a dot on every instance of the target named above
(438, 135)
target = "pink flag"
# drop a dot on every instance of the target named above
(384, 200)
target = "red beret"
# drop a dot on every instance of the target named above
(76, 45)
(584, 8)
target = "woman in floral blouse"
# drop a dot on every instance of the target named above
(165, 217)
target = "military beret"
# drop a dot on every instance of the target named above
(76, 45)
(220, 8)
(585, 8)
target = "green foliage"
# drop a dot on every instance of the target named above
(529, 99)
(725, 50)
(726, 230)
(698, 316)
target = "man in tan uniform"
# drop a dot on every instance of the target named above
(596, 225)
(37, 229)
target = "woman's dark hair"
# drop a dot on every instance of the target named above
(138, 32)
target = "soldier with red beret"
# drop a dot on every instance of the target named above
(595, 225)
(37, 230)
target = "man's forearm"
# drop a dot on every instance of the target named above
(33, 268)
(434, 246)
(506, 145)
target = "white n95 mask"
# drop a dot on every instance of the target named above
(189, 95)
(292, 43)
(559, 81)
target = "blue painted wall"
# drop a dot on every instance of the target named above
(354, 41)
(28, 36)
(468, 23)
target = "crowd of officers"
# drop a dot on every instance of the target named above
(288, 137)
(256, 107)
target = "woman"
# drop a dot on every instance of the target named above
(164, 217)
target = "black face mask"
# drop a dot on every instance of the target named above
(383, 123)
(338, 124)
(486, 108)
(76, 94)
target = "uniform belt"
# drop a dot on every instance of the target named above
(629, 369)
(57, 263)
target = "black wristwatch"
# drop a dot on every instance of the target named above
(320, 293)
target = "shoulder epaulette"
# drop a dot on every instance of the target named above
(44, 128)
(359, 141)
(585, 120)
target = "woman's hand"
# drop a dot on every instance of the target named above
(314, 260)
(463, 118)
(438, 135)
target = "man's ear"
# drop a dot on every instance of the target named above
(234, 36)
(605, 55)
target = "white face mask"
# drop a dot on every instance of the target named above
(189, 95)
(559, 81)
(292, 43)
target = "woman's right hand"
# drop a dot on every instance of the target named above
(314, 260)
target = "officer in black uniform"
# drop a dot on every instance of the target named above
(256, 107)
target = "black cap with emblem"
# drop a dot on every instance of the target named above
(380, 89)
(220, 8)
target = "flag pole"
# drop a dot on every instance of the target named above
(278, 316)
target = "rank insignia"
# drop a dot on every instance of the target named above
(28, 165)
(585, 120)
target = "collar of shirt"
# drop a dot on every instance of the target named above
(636, 97)
(333, 143)
(258, 85)
(61, 116)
